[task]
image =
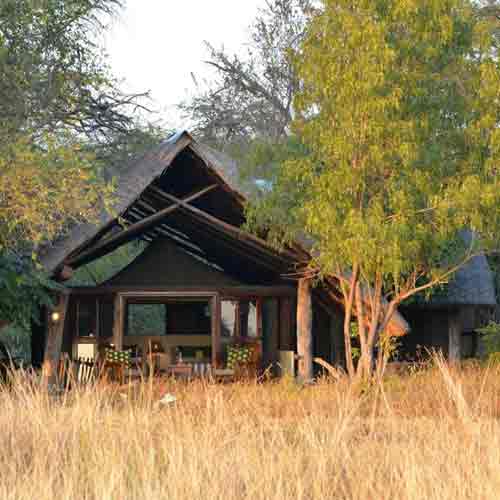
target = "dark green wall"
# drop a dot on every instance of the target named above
(163, 264)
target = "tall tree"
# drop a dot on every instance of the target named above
(251, 95)
(398, 110)
(63, 120)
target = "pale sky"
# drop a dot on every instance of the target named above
(156, 44)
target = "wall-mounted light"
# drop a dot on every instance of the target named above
(55, 316)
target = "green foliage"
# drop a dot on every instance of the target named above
(46, 188)
(147, 319)
(259, 165)
(100, 270)
(64, 122)
(17, 339)
(23, 288)
(53, 76)
(490, 335)
(65, 129)
(398, 108)
(354, 332)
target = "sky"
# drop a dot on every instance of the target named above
(155, 45)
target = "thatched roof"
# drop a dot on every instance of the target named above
(131, 182)
(472, 285)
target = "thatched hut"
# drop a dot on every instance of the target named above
(208, 283)
(203, 283)
(448, 321)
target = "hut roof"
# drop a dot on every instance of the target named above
(473, 284)
(131, 182)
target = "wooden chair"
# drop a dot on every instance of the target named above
(115, 364)
(244, 359)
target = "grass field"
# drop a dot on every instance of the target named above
(434, 434)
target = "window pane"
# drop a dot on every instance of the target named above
(229, 311)
(248, 317)
(188, 318)
(146, 319)
(87, 318)
(239, 318)
(106, 315)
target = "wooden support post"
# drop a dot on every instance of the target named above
(271, 334)
(55, 329)
(118, 322)
(237, 321)
(454, 337)
(304, 331)
(244, 310)
(286, 333)
(216, 307)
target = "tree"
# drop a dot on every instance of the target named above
(63, 122)
(397, 112)
(53, 78)
(251, 96)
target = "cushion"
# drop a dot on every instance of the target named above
(239, 355)
(122, 357)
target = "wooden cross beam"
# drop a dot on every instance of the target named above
(103, 247)
(210, 239)
(224, 227)
(165, 231)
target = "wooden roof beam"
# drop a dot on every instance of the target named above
(234, 231)
(168, 232)
(138, 214)
(132, 231)
(205, 231)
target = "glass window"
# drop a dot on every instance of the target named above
(106, 313)
(191, 317)
(229, 317)
(87, 317)
(239, 318)
(172, 317)
(248, 319)
(146, 319)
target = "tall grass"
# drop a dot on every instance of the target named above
(430, 435)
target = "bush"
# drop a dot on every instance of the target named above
(491, 338)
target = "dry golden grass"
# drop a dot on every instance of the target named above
(430, 435)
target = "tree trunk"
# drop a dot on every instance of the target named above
(365, 362)
(304, 330)
(54, 341)
(349, 303)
